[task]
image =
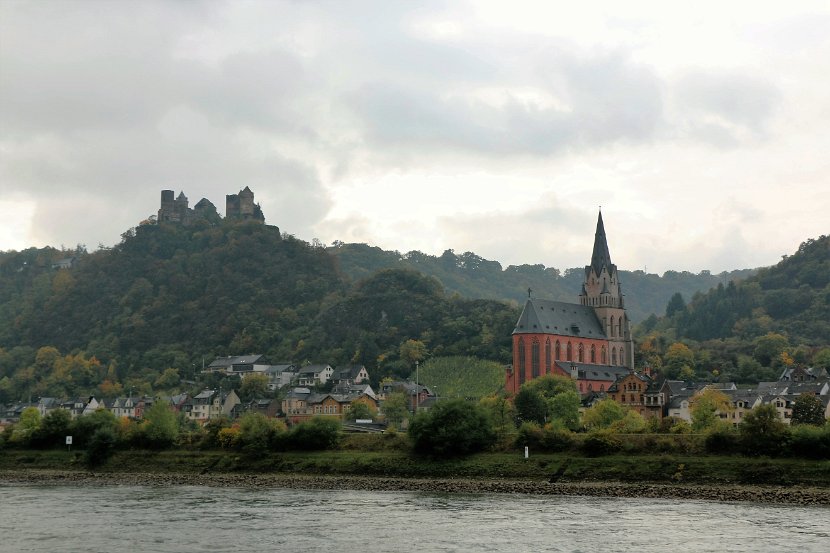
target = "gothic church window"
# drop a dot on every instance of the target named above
(534, 357)
(547, 356)
(521, 360)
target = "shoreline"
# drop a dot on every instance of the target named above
(791, 495)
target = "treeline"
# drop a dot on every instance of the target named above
(472, 276)
(545, 416)
(748, 330)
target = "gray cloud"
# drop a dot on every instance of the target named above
(719, 106)
(605, 99)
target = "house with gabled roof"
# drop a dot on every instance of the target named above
(311, 375)
(639, 392)
(239, 365)
(803, 374)
(210, 404)
(281, 375)
(352, 374)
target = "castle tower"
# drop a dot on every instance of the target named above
(601, 290)
(242, 206)
(246, 203)
(165, 213)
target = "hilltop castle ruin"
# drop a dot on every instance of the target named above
(239, 206)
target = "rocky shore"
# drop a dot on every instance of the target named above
(764, 494)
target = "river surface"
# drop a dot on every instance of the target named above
(201, 519)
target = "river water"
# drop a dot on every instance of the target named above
(205, 519)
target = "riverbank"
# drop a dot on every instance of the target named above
(718, 478)
(798, 495)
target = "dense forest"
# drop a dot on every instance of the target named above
(146, 314)
(751, 329)
(472, 276)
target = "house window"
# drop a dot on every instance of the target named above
(534, 357)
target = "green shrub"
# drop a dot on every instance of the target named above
(557, 438)
(812, 442)
(100, 446)
(763, 432)
(721, 439)
(600, 442)
(315, 434)
(453, 427)
(387, 441)
(529, 435)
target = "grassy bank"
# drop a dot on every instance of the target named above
(561, 467)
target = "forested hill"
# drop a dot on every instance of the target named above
(472, 276)
(791, 298)
(168, 297)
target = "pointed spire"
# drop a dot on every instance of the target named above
(600, 257)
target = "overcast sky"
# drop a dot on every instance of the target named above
(702, 128)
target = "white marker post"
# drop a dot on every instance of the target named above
(68, 443)
(527, 452)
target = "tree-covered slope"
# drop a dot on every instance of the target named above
(171, 291)
(472, 276)
(792, 297)
(169, 297)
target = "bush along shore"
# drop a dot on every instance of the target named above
(719, 478)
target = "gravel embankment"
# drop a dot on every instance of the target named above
(765, 494)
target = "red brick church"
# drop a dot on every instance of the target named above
(589, 341)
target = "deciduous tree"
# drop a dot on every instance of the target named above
(808, 409)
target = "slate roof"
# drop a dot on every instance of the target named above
(311, 369)
(560, 318)
(639, 376)
(348, 372)
(277, 369)
(587, 371)
(225, 362)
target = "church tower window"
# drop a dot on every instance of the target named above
(613, 356)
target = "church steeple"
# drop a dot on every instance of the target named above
(600, 257)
